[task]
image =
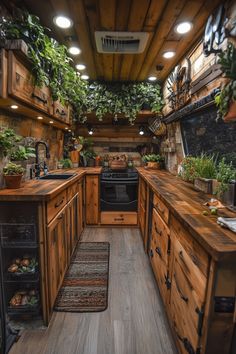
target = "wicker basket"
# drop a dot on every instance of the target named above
(157, 126)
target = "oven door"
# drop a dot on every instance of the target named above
(119, 195)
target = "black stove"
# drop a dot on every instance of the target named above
(119, 190)
(128, 174)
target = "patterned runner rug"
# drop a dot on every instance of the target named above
(85, 286)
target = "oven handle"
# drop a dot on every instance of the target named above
(118, 181)
(132, 202)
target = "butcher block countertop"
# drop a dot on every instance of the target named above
(45, 190)
(186, 205)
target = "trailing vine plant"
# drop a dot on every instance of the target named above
(52, 66)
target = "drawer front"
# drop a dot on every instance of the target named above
(119, 218)
(159, 267)
(161, 208)
(21, 86)
(143, 192)
(161, 233)
(55, 205)
(61, 112)
(197, 256)
(71, 191)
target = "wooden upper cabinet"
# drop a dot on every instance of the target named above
(62, 112)
(21, 85)
(3, 74)
(92, 199)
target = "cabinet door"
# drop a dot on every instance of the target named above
(72, 223)
(159, 253)
(188, 292)
(61, 112)
(92, 199)
(21, 86)
(80, 207)
(56, 255)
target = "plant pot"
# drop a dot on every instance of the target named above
(228, 198)
(215, 186)
(90, 162)
(13, 181)
(203, 185)
(154, 165)
(231, 115)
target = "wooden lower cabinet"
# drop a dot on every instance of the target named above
(72, 224)
(80, 189)
(118, 218)
(92, 199)
(57, 254)
(198, 292)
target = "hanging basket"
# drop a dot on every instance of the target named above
(157, 126)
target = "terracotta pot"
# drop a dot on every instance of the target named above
(231, 115)
(13, 181)
(74, 156)
(154, 165)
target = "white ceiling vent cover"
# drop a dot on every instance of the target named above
(121, 42)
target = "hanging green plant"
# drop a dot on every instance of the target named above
(122, 98)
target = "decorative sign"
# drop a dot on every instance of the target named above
(178, 84)
(214, 32)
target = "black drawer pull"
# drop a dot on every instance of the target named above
(61, 113)
(185, 298)
(39, 98)
(158, 251)
(60, 216)
(151, 253)
(118, 219)
(59, 203)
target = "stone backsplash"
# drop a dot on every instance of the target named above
(33, 131)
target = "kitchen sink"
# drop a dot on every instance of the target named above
(58, 176)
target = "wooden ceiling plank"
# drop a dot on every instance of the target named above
(91, 11)
(172, 11)
(122, 17)
(107, 22)
(137, 17)
(82, 30)
(150, 24)
(186, 42)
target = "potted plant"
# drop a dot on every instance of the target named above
(154, 161)
(187, 169)
(226, 98)
(226, 177)
(13, 174)
(205, 172)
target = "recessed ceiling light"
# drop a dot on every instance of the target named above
(152, 78)
(51, 122)
(39, 117)
(74, 50)
(183, 27)
(63, 21)
(84, 77)
(141, 131)
(14, 106)
(80, 66)
(168, 55)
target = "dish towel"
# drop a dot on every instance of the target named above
(230, 223)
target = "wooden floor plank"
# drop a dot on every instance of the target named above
(135, 321)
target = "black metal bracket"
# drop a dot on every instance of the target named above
(200, 320)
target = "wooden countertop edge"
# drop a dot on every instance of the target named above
(223, 252)
(28, 191)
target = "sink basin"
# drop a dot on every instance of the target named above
(58, 176)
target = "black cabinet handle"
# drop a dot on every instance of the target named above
(118, 219)
(59, 203)
(158, 251)
(151, 253)
(39, 98)
(61, 113)
(185, 298)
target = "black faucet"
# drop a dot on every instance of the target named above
(37, 164)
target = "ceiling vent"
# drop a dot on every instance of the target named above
(121, 42)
